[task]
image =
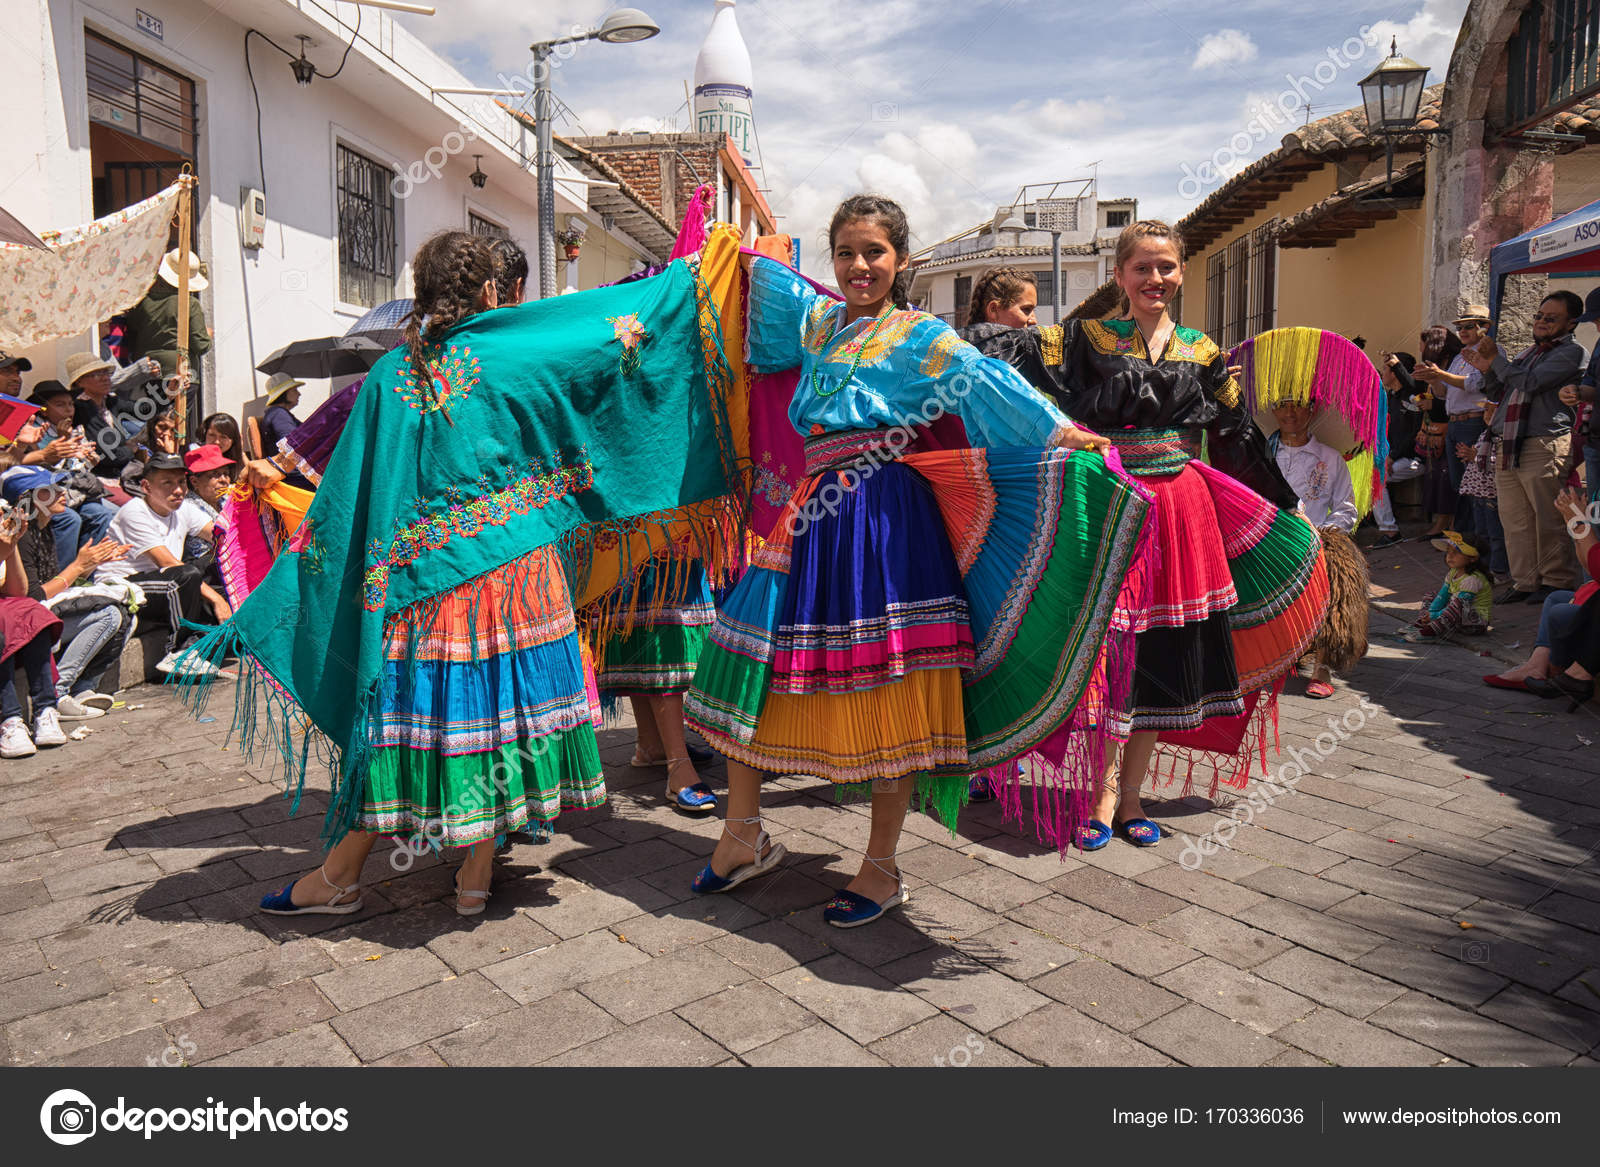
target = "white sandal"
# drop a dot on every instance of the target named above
(470, 909)
(281, 903)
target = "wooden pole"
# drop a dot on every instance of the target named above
(187, 183)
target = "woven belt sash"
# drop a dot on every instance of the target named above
(1155, 451)
(834, 451)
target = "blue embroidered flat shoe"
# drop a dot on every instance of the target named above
(849, 909)
(1139, 832)
(696, 799)
(980, 789)
(708, 882)
(1093, 835)
(281, 903)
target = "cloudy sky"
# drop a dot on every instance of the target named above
(950, 107)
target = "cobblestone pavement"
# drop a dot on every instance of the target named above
(1426, 895)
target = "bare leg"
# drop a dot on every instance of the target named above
(1578, 673)
(1537, 665)
(890, 799)
(668, 712)
(477, 872)
(343, 868)
(1119, 794)
(737, 845)
(648, 740)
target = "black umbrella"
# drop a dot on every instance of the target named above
(12, 231)
(327, 356)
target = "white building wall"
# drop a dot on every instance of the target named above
(258, 300)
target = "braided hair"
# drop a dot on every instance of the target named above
(887, 214)
(1001, 285)
(510, 271)
(448, 273)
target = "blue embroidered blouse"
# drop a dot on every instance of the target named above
(912, 367)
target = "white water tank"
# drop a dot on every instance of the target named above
(722, 84)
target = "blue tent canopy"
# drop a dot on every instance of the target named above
(1570, 245)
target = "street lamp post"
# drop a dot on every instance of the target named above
(1392, 94)
(623, 26)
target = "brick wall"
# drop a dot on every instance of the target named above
(653, 165)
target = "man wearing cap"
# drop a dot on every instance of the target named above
(156, 527)
(96, 411)
(1535, 441)
(11, 370)
(86, 515)
(1584, 393)
(151, 325)
(1463, 401)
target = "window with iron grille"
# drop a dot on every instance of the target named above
(1118, 218)
(1241, 287)
(963, 299)
(1044, 281)
(137, 96)
(366, 230)
(478, 225)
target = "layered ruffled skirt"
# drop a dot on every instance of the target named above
(931, 615)
(1239, 592)
(485, 721)
(672, 611)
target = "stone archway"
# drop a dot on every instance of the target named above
(1481, 192)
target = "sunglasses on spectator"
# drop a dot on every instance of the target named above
(1549, 318)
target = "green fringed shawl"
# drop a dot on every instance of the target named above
(566, 420)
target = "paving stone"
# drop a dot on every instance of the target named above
(1467, 1037)
(1565, 1025)
(1018, 952)
(21, 959)
(1358, 845)
(533, 1033)
(851, 997)
(1061, 1036)
(692, 922)
(248, 1021)
(936, 863)
(746, 1016)
(994, 889)
(148, 1048)
(818, 1045)
(1282, 851)
(1216, 935)
(1311, 929)
(1282, 821)
(1106, 993)
(1546, 971)
(1236, 994)
(1331, 982)
(1395, 920)
(563, 966)
(52, 989)
(357, 985)
(663, 1040)
(1419, 793)
(1433, 818)
(1570, 909)
(1199, 1037)
(578, 910)
(1116, 896)
(44, 1036)
(420, 1015)
(888, 939)
(1438, 976)
(1336, 1038)
(958, 984)
(490, 941)
(663, 983)
(1201, 888)
(16, 896)
(1127, 861)
(1066, 920)
(316, 1045)
(942, 916)
(1295, 1059)
(768, 949)
(418, 1056)
(1297, 887)
(945, 1042)
(1142, 951)
(1396, 884)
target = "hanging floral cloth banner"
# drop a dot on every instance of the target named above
(90, 273)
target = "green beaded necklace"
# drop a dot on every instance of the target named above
(816, 383)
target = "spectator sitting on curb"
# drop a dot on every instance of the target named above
(86, 515)
(1562, 609)
(210, 477)
(95, 625)
(1465, 599)
(1535, 440)
(97, 412)
(28, 630)
(221, 431)
(156, 528)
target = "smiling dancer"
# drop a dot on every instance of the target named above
(1241, 588)
(869, 642)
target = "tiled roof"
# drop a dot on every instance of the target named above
(1354, 207)
(987, 253)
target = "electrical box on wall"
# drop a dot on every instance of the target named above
(252, 216)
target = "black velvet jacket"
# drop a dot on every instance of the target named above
(1100, 374)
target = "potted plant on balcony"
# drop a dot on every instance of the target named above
(572, 241)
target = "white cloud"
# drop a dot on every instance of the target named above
(1222, 49)
(1064, 117)
(1429, 37)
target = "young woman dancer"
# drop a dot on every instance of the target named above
(856, 646)
(1241, 588)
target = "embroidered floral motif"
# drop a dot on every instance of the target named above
(771, 486)
(1052, 346)
(632, 334)
(1229, 393)
(466, 517)
(940, 354)
(450, 376)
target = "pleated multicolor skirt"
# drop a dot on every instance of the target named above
(485, 721)
(932, 615)
(672, 612)
(1239, 593)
